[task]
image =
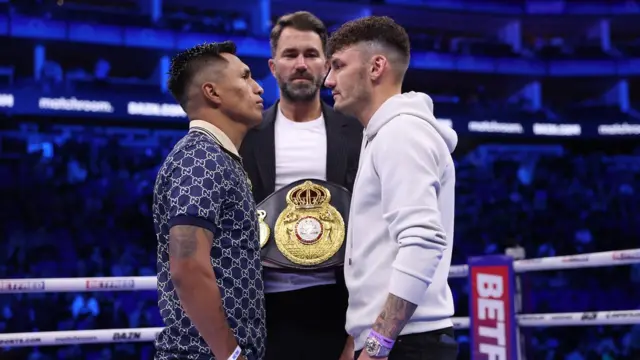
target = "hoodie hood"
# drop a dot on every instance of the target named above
(415, 104)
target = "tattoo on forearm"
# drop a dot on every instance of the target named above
(394, 316)
(183, 240)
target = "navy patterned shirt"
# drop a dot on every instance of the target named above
(202, 184)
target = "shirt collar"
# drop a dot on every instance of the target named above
(223, 139)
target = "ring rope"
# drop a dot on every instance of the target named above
(597, 259)
(107, 336)
(136, 283)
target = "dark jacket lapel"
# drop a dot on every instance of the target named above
(265, 150)
(336, 149)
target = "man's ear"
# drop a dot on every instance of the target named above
(272, 67)
(210, 92)
(378, 63)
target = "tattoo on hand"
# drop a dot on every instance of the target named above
(183, 240)
(394, 316)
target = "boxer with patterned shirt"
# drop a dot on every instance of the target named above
(210, 288)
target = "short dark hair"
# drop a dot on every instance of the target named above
(301, 21)
(188, 63)
(380, 30)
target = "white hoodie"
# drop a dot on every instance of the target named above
(401, 218)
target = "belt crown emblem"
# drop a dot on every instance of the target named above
(308, 196)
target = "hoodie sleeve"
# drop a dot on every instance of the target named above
(407, 158)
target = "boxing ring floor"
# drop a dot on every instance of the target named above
(145, 283)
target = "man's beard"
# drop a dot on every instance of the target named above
(300, 91)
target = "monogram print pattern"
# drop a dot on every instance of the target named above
(203, 185)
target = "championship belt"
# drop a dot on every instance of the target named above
(303, 226)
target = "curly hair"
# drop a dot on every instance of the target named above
(188, 63)
(380, 31)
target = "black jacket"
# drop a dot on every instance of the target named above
(344, 136)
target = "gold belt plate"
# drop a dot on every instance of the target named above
(265, 231)
(309, 231)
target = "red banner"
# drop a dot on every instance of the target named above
(493, 327)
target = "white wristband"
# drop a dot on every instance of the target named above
(236, 354)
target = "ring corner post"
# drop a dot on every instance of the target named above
(492, 308)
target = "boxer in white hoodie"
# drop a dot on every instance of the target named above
(400, 232)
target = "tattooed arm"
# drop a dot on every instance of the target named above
(195, 283)
(394, 316)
